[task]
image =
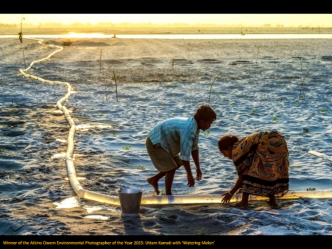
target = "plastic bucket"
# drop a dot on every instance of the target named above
(130, 201)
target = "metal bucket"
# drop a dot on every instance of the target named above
(130, 201)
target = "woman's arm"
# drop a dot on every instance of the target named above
(228, 196)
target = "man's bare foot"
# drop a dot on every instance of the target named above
(154, 185)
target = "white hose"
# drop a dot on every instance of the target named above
(146, 200)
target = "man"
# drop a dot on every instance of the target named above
(171, 142)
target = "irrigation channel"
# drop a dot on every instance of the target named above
(146, 200)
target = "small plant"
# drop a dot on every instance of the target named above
(199, 231)
(253, 111)
(207, 132)
(232, 104)
(116, 87)
(322, 110)
(305, 130)
(172, 112)
(141, 167)
(311, 189)
(297, 104)
(2, 150)
(212, 85)
(173, 63)
(126, 147)
(162, 105)
(301, 96)
(114, 134)
(275, 119)
(101, 53)
(163, 192)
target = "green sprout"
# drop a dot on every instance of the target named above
(232, 104)
(253, 111)
(163, 192)
(141, 167)
(322, 110)
(275, 119)
(114, 134)
(199, 231)
(2, 150)
(126, 147)
(207, 132)
(297, 104)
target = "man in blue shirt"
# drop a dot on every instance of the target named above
(171, 143)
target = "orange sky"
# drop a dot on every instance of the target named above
(321, 20)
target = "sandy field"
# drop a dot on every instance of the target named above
(120, 89)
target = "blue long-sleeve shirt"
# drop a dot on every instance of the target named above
(178, 136)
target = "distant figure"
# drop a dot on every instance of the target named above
(20, 36)
(261, 161)
(171, 142)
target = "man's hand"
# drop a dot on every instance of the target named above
(199, 174)
(191, 181)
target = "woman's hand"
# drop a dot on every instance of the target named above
(199, 174)
(227, 197)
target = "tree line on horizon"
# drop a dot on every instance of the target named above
(146, 25)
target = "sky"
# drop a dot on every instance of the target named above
(313, 20)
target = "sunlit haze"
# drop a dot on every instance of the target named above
(312, 20)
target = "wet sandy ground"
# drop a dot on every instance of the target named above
(157, 79)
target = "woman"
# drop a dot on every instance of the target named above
(261, 161)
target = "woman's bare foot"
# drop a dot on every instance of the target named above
(154, 185)
(272, 203)
(241, 204)
(244, 201)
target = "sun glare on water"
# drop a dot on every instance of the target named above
(84, 35)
